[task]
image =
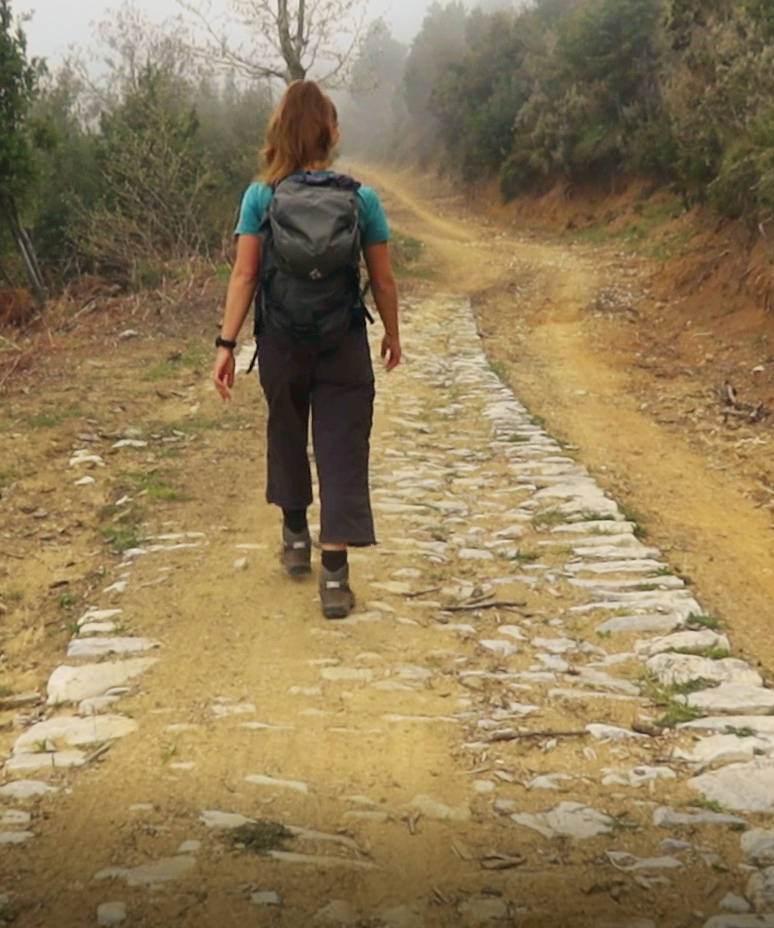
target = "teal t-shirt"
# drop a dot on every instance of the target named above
(371, 218)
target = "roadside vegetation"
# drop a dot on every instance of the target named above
(124, 177)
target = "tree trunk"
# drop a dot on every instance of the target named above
(25, 246)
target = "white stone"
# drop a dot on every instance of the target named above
(260, 779)
(98, 615)
(554, 645)
(74, 731)
(72, 684)
(626, 624)
(100, 647)
(96, 704)
(683, 668)
(240, 563)
(548, 781)
(622, 860)
(224, 710)
(499, 646)
(129, 443)
(14, 817)
(214, 819)
(25, 789)
(756, 724)
(512, 631)
(159, 871)
(571, 819)
(475, 554)
(432, 808)
(190, 847)
(483, 911)
(683, 641)
(732, 697)
(15, 837)
(41, 760)
(266, 897)
(665, 817)
(733, 903)
(111, 913)
(347, 674)
(758, 845)
(740, 787)
(611, 732)
(85, 481)
(97, 628)
(760, 890)
(724, 749)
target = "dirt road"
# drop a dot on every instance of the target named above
(490, 738)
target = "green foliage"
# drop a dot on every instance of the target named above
(18, 87)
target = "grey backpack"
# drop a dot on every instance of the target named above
(309, 292)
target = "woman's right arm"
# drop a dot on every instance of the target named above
(241, 288)
(385, 291)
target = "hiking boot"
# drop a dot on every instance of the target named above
(335, 595)
(296, 552)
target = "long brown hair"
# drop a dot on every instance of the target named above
(302, 132)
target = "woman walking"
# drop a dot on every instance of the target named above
(300, 235)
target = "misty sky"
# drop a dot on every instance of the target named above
(56, 24)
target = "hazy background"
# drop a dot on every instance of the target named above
(55, 24)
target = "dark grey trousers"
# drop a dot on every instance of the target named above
(338, 388)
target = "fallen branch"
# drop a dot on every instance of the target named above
(495, 604)
(510, 735)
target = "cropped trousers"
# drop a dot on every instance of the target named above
(337, 388)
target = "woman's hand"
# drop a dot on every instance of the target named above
(391, 351)
(223, 373)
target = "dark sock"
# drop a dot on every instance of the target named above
(334, 560)
(295, 520)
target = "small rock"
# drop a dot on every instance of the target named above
(760, 890)
(159, 871)
(15, 837)
(265, 897)
(622, 860)
(431, 808)
(14, 817)
(572, 819)
(610, 732)
(190, 847)
(85, 481)
(740, 921)
(665, 817)
(214, 819)
(75, 731)
(25, 789)
(111, 913)
(100, 647)
(260, 779)
(736, 904)
(240, 563)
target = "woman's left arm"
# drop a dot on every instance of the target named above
(241, 288)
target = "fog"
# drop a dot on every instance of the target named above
(55, 25)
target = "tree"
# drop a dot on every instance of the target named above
(18, 86)
(285, 40)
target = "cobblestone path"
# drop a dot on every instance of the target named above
(529, 719)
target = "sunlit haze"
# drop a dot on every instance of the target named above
(55, 25)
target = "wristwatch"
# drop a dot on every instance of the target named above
(225, 343)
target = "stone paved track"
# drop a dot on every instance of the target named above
(478, 744)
